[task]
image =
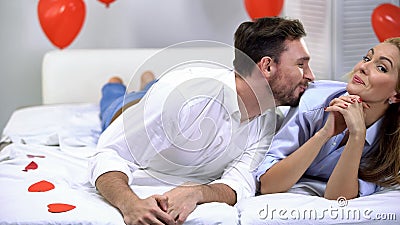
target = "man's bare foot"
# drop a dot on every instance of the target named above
(115, 80)
(146, 77)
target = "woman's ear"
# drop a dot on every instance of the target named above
(395, 98)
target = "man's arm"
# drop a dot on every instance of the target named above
(114, 187)
(217, 193)
(236, 183)
(183, 200)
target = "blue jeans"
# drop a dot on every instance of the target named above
(112, 100)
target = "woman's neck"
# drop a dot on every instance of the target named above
(374, 112)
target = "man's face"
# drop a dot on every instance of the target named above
(292, 74)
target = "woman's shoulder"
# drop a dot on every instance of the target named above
(326, 86)
(321, 92)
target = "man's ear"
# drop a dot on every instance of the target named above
(265, 65)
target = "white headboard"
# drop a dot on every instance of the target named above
(77, 75)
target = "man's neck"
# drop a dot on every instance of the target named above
(248, 105)
(254, 94)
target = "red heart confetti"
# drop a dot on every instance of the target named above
(41, 186)
(35, 156)
(60, 207)
(31, 166)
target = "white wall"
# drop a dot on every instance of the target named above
(126, 24)
(339, 32)
(145, 23)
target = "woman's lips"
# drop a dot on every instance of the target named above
(358, 80)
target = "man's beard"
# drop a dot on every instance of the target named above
(284, 95)
(288, 98)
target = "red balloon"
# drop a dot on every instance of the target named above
(263, 8)
(386, 21)
(106, 2)
(61, 20)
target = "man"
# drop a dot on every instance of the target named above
(203, 130)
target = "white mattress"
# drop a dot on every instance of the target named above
(64, 136)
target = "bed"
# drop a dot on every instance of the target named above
(45, 148)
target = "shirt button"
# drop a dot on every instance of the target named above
(227, 117)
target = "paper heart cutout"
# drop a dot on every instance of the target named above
(41, 186)
(31, 166)
(60, 207)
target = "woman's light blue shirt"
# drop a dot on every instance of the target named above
(304, 121)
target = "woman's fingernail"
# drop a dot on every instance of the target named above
(359, 100)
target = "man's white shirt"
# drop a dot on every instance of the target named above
(187, 128)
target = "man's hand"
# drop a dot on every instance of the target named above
(182, 200)
(151, 210)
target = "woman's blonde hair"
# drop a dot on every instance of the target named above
(383, 165)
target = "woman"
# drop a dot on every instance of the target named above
(346, 136)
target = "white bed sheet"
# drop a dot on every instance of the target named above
(58, 124)
(62, 137)
(292, 208)
(67, 170)
(66, 135)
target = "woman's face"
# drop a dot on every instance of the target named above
(375, 77)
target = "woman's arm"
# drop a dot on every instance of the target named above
(284, 174)
(343, 181)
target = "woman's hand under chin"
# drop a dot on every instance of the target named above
(346, 112)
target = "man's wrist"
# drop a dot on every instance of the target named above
(125, 197)
(198, 192)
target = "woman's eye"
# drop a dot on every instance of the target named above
(366, 59)
(382, 69)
